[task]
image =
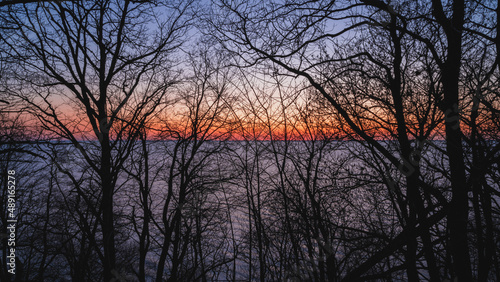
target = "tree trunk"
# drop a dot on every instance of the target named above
(107, 210)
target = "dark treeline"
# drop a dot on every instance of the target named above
(250, 140)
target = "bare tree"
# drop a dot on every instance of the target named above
(192, 211)
(103, 60)
(310, 40)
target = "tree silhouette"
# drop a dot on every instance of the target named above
(102, 57)
(311, 40)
